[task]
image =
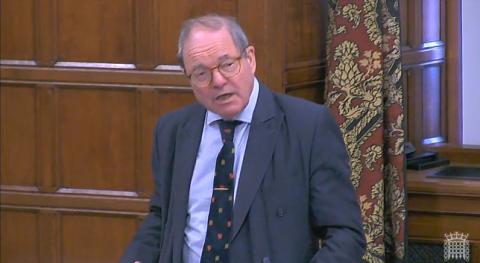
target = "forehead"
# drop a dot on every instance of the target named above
(208, 46)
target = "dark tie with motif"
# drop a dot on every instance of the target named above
(220, 215)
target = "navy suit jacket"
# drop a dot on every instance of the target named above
(294, 188)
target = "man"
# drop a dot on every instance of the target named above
(280, 182)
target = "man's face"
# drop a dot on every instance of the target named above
(207, 49)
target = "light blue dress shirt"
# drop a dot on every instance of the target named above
(201, 186)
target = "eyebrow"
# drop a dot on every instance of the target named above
(220, 60)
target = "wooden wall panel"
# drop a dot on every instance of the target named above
(97, 129)
(94, 238)
(96, 31)
(306, 31)
(432, 104)
(313, 92)
(438, 206)
(17, 30)
(428, 225)
(425, 105)
(168, 23)
(166, 101)
(19, 239)
(452, 32)
(145, 38)
(425, 48)
(306, 49)
(18, 138)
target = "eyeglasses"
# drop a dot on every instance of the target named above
(229, 68)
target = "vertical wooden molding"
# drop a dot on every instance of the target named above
(46, 32)
(145, 32)
(275, 32)
(138, 142)
(417, 23)
(147, 97)
(443, 103)
(454, 71)
(47, 136)
(418, 101)
(49, 237)
(3, 168)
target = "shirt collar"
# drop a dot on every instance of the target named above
(246, 114)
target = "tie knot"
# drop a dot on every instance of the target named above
(227, 129)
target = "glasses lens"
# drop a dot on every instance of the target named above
(201, 77)
(229, 68)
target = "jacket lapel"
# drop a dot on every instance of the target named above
(264, 129)
(187, 143)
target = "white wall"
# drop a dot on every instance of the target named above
(471, 71)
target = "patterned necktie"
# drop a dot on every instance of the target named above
(217, 244)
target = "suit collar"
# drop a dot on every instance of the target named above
(266, 123)
(187, 142)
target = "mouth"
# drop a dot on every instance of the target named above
(224, 97)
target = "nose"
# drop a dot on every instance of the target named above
(218, 80)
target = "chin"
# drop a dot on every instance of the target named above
(230, 112)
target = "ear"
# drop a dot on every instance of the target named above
(250, 51)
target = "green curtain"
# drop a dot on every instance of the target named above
(364, 92)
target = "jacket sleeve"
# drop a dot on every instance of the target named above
(146, 244)
(335, 212)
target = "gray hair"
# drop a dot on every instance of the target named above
(215, 23)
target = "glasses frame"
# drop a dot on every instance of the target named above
(217, 67)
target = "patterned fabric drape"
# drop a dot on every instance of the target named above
(364, 91)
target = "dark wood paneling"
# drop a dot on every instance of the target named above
(145, 38)
(19, 239)
(17, 30)
(432, 118)
(80, 203)
(453, 80)
(438, 206)
(433, 53)
(306, 49)
(434, 225)
(96, 138)
(306, 30)
(469, 155)
(414, 93)
(96, 31)
(431, 43)
(306, 80)
(309, 92)
(49, 235)
(47, 114)
(93, 238)
(109, 77)
(168, 22)
(46, 32)
(18, 138)
(411, 23)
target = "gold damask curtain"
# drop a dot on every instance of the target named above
(364, 92)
